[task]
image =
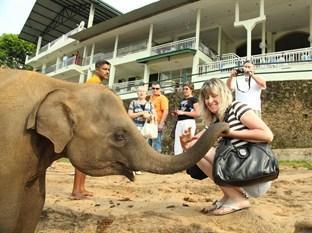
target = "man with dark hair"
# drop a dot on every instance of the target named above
(102, 68)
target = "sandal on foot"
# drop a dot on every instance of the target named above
(215, 205)
(228, 208)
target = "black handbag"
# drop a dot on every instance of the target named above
(196, 173)
(245, 165)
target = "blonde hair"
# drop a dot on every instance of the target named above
(216, 87)
(141, 88)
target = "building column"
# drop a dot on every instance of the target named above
(219, 40)
(195, 68)
(197, 30)
(150, 39)
(116, 46)
(81, 78)
(146, 73)
(111, 76)
(84, 55)
(91, 60)
(58, 62)
(195, 65)
(38, 45)
(43, 68)
(263, 42)
(249, 24)
(270, 46)
(91, 15)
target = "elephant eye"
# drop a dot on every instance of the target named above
(120, 136)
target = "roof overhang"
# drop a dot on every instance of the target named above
(51, 19)
(133, 16)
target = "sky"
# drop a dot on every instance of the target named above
(14, 13)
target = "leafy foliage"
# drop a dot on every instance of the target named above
(13, 51)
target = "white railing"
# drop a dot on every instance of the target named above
(188, 43)
(227, 56)
(223, 65)
(62, 64)
(97, 57)
(268, 60)
(133, 48)
(283, 58)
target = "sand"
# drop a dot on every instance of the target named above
(171, 204)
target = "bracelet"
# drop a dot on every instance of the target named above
(206, 127)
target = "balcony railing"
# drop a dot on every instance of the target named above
(227, 56)
(269, 60)
(188, 43)
(62, 64)
(283, 58)
(97, 57)
(58, 40)
(132, 48)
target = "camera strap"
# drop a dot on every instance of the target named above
(249, 79)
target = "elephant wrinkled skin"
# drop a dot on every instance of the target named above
(43, 119)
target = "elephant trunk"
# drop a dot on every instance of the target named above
(167, 164)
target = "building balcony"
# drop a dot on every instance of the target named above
(53, 46)
(96, 57)
(65, 69)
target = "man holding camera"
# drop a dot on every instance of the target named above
(247, 86)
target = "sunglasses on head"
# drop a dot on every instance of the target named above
(155, 88)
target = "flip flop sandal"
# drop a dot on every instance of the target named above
(215, 205)
(228, 208)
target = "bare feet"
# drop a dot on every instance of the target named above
(87, 193)
(77, 196)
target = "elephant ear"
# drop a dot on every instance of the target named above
(53, 118)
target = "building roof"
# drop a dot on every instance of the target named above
(133, 16)
(53, 18)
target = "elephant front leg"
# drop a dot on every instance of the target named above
(32, 206)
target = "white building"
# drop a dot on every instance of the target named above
(174, 40)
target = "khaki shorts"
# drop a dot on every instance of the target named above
(257, 190)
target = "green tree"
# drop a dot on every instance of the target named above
(13, 51)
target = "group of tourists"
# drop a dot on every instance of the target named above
(215, 104)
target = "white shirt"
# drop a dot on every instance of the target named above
(248, 94)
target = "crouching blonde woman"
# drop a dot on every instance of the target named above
(245, 126)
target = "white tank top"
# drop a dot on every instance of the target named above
(248, 94)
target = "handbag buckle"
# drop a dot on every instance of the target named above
(243, 152)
